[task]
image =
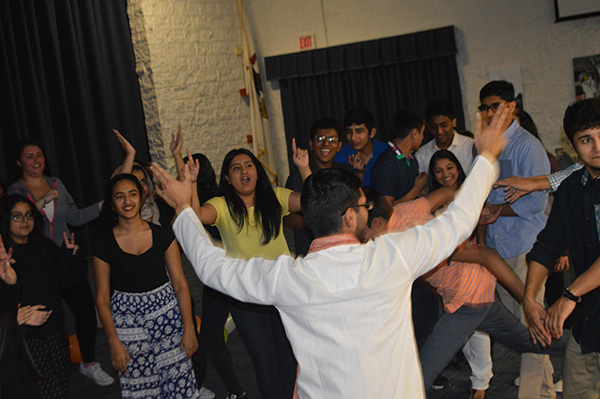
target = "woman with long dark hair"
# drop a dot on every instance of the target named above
(38, 265)
(30, 178)
(143, 299)
(249, 218)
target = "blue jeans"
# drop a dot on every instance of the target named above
(453, 330)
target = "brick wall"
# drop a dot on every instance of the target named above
(190, 74)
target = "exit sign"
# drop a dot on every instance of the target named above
(306, 42)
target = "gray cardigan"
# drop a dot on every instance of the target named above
(65, 209)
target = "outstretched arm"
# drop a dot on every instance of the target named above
(175, 147)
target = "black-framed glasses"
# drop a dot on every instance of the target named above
(368, 205)
(329, 139)
(19, 217)
(492, 106)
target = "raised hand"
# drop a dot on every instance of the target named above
(70, 244)
(176, 141)
(488, 139)
(299, 155)
(178, 194)
(125, 145)
(7, 273)
(357, 162)
(193, 166)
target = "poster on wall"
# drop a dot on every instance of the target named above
(587, 76)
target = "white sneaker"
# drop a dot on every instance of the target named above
(517, 381)
(558, 385)
(95, 372)
(206, 393)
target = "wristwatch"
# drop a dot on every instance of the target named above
(570, 296)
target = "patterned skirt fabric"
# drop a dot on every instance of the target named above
(52, 361)
(149, 325)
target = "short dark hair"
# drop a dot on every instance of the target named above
(580, 116)
(326, 194)
(381, 208)
(325, 123)
(500, 88)
(403, 122)
(439, 107)
(358, 116)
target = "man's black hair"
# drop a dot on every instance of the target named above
(381, 208)
(500, 88)
(325, 123)
(580, 116)
(326, 195)
(439, 107)
(358, 116)
(403, 122)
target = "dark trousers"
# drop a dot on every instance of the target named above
(271, 353)
(80, 301)
(215, 308)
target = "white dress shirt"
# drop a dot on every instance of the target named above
(346, 309)
(461, 146)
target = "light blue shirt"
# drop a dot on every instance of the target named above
(523, 155)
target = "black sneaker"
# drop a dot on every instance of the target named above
(440, 383)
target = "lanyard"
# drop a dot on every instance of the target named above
(399, 155)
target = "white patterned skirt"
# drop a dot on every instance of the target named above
(150, 327)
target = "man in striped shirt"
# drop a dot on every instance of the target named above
(467, 289)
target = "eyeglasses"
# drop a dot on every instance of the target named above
(330, 139)
(19, 217)
(368, 205)
(486, 108)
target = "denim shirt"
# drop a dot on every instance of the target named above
(523, 155)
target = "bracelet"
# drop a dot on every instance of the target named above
(570, 296)
(45, 202)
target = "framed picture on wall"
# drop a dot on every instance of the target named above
(566, 10)
(586, 71)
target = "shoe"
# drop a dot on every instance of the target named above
(232, 396)
(517, 381)
(440, 383)
(478, 394)
(95, 372)
(206, 393)
(558, 385)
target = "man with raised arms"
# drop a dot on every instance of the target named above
(346, 305)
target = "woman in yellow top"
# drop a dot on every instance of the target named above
(249, 218)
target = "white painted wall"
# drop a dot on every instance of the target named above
(491, 35)
(197, 74)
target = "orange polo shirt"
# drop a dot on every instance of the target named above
(458, 283)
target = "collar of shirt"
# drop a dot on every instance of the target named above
(322, 243)
(514, 126)
(455, 141)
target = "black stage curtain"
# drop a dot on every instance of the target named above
(67, 79)
(384, 75)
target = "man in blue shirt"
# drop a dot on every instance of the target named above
(514, 233)
(362, 151)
